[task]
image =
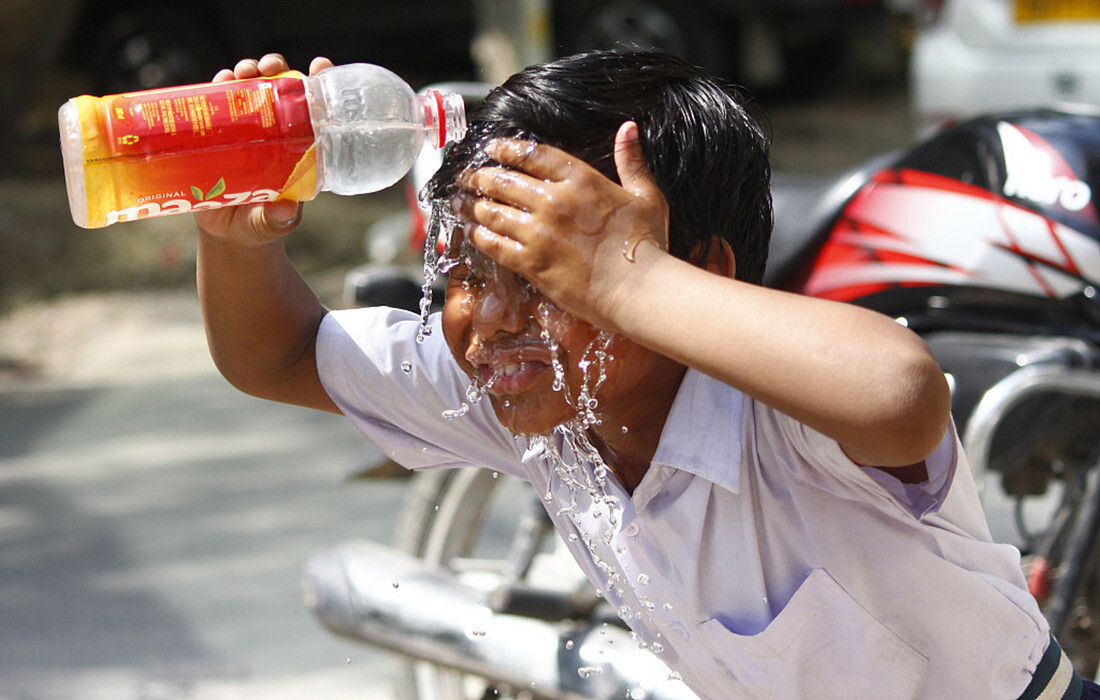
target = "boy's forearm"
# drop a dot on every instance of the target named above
(261, 321)
(847, 372)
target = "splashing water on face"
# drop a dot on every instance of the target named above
(595, 354)
(441, 224)
(586, 472)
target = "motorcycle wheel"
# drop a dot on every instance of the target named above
(488, 528)
(1068, 557)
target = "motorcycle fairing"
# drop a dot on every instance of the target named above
(1001, 203)
(910, 228)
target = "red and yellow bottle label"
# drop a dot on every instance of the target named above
(197, 147)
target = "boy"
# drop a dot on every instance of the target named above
(769, 486)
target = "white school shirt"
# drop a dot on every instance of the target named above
(755, 557)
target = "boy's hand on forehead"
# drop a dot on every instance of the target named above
(562, 225)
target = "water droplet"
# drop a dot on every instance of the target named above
(569, 644)
(495, 475)
(657, 647)
(406, 367)
(675, 676)
(643, 579)
(588, 671)
(396, 584)
(667, 607)
(474, 392)
(625, 430)
(452, 413)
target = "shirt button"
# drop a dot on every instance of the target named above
(678, 631)
(631, 530)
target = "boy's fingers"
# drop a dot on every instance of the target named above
(272, 64)
(281, 214)
(247, 68)
(318, 64)
(508, 186)
(499, 248)
(535, 159)
(631, 166)
(501, 218)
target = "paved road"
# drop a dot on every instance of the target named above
(151, 539)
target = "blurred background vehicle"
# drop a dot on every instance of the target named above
(973, 56)
(158, 42)
(110, 46)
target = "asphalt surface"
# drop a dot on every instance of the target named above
(153, 525)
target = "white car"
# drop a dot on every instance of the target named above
(974, 56)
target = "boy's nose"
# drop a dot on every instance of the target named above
(500, 306)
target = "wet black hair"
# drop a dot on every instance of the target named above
(708, 154)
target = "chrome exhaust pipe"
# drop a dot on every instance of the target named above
(375, 594)
(1008, 393)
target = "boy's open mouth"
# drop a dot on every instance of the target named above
(511, 378)
(511, 368)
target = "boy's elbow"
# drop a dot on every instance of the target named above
(924, 413)
(907, 419)
(242, 376)
(294, 380)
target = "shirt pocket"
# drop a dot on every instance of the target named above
(823, 644)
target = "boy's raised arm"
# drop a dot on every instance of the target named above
(598, 250)
(261, 318)
(850, 373)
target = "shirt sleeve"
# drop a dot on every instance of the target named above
(406, 396)
(816, 458)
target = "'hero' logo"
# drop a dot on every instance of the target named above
(1036, 172)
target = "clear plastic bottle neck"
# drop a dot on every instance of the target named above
(444, 117)
(371, 127)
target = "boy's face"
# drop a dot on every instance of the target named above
(509, 338)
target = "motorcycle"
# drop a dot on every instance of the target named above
(984, 238)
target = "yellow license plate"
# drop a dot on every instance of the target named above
(1030, 11)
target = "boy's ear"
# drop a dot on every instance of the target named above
(720, 258)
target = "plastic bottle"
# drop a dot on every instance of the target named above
(350, 129)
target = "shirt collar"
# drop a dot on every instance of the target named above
(702, 435)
